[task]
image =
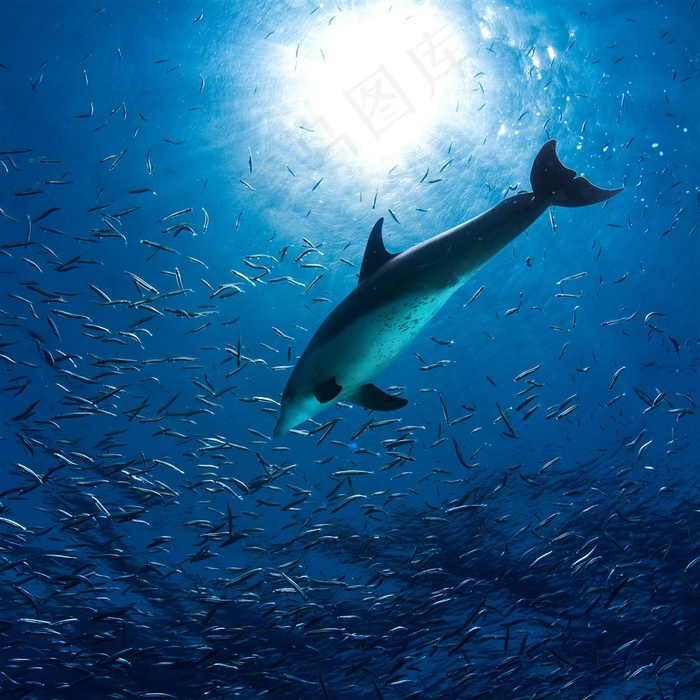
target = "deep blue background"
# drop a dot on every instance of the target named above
(382, 592)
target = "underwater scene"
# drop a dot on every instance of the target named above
(350, 350)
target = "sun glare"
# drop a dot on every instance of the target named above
(374, 80)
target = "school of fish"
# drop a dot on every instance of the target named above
(525, 526)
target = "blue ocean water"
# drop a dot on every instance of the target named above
(187, 191)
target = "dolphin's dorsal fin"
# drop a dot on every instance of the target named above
(370, 396)
(375, 253)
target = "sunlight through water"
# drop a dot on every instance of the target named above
(375, 81)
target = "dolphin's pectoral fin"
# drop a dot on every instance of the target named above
(375, 253)
(327, 390)
(369, 396)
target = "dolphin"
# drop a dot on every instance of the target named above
(398, 293)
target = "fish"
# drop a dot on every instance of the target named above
(398, 293)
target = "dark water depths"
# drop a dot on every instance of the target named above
(184, 198)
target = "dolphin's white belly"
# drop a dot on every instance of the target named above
(372, 341)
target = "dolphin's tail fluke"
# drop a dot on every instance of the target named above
(550, 179)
